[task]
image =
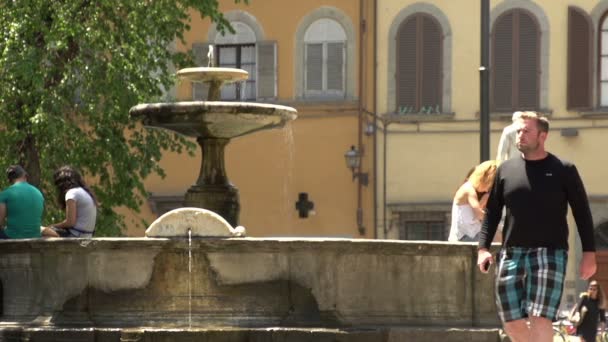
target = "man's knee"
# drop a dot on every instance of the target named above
(516, 328)
(540, 322)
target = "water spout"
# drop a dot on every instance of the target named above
(210, 57)
(189, 277)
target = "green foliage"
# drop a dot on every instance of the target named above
(70, 70)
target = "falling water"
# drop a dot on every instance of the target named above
(288, 196)
(190, 278)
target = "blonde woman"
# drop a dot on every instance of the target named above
(469, 203)
(591, 308)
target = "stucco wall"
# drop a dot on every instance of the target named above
(271, 168)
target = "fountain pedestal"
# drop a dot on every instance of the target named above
(213, 190)
(213, 123)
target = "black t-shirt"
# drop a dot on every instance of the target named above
(536, 194)
(588, 326)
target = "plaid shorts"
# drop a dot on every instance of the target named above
(530, 282)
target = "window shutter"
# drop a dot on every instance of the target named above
(502, 64)
(406, 65)
(314, 67)
(335, 66)
(199, 52)
(528, 62)
(579, 59)
(266, 69)
(431, 85)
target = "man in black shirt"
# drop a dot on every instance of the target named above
(536, 189)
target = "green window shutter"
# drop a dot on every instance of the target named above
(266, 81)
(314, 67)
(335, 66)
(580, 32)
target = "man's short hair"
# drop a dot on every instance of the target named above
(542, 123)
(15, 172)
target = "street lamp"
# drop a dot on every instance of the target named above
(353, 162)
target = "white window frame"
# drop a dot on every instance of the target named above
(325, 36)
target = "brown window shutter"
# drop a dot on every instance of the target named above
(515, 62)
(502, 63)
(431, 85)
(528, 55)
(406, 64)
(579, 59)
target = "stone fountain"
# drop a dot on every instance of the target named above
(169, 287)
(213, 123)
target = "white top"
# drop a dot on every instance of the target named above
(464, 222)
(507, 145)
(86, 212)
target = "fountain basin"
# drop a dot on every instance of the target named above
(214, 119)
(242, 282)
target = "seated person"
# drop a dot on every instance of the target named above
(79, 203)
(21, 207)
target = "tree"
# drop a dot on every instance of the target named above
(70, 70)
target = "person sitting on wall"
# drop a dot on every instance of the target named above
(21, 206)
(79, 203)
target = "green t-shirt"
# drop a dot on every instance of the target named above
(24, 205)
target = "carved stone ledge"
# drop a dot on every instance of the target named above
(194, 222)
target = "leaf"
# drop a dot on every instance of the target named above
(69, 73)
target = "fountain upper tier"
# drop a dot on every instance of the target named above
(213, 119)
(213, 74)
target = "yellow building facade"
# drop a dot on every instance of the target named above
(545, 55)
(292, 181)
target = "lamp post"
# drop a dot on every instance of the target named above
(484, 83)
(353, 162)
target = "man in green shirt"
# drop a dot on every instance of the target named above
(21, 206)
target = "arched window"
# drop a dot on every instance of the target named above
(325, 59)
(515, 62)
(603, 36)
(246, 49)
(580, 51)
(419, 77)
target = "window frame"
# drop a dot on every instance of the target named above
(250, 82)
(324, 92)
(425, 217)
(600, 31)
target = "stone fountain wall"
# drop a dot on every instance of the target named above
(242, 283)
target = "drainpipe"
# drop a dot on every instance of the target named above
(375, 104)
(362, 29)
(385, 163)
